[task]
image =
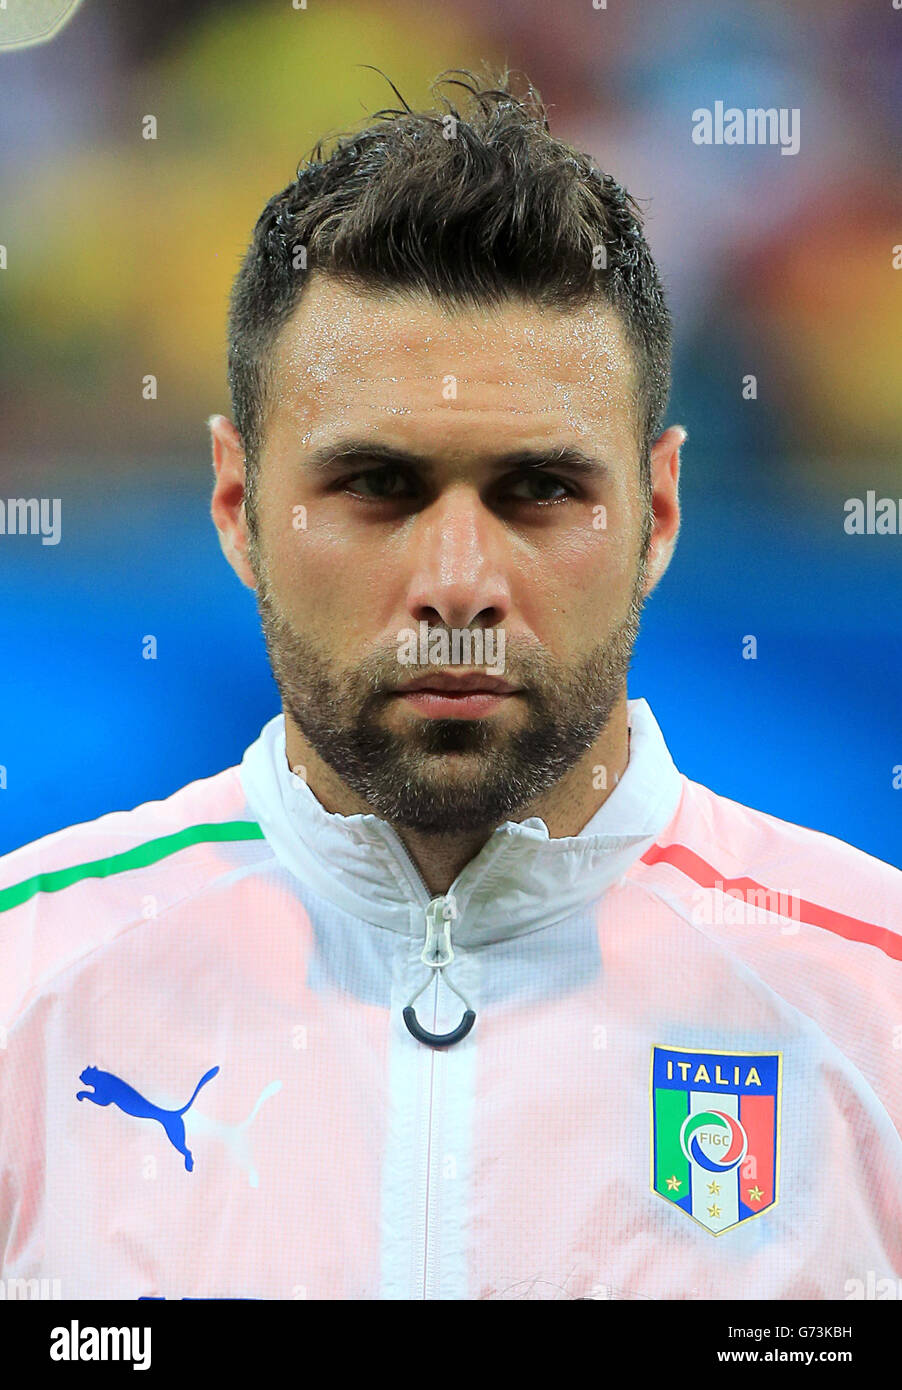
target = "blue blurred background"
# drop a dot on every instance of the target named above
(120, 253)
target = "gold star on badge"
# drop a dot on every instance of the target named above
(714, 1211)
(674, 1183)
(755, 1193)
(713, 1187)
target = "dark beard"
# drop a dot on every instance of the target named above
(403, 778)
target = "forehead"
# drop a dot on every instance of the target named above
(389, 360)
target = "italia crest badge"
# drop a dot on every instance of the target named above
(715, 1133)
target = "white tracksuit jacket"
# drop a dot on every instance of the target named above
(684, 1079)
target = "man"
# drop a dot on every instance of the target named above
(456, 987)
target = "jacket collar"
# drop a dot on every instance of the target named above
(521, 879)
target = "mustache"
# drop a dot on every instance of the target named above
(384, 673)
(370, 681)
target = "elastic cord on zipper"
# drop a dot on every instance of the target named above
(438, 953)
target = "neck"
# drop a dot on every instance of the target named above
(565, 807)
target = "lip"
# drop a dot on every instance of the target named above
(458, 685)
(443, 696)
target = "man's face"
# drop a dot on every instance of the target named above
(449, 529)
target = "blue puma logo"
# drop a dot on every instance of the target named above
(110, 1090)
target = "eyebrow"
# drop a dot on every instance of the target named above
(345, 451)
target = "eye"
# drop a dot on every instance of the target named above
(540, 484)
(380, 482)
(390, 483)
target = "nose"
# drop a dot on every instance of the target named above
(458, 578)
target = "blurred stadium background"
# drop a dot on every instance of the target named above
(121, 252)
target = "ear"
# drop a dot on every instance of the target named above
(665, 479)
(227, 506)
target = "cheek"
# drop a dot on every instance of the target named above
(576, 597)
(328, 585)
(601, 553)
(611, 558)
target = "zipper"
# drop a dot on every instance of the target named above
(424, 1183)
(439, 912)
(414, 877)
(437, 951)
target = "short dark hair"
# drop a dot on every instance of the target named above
(473, 206)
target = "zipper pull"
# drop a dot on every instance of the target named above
(437, 951)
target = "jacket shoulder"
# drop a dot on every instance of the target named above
(713, 842)
(65, 894)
